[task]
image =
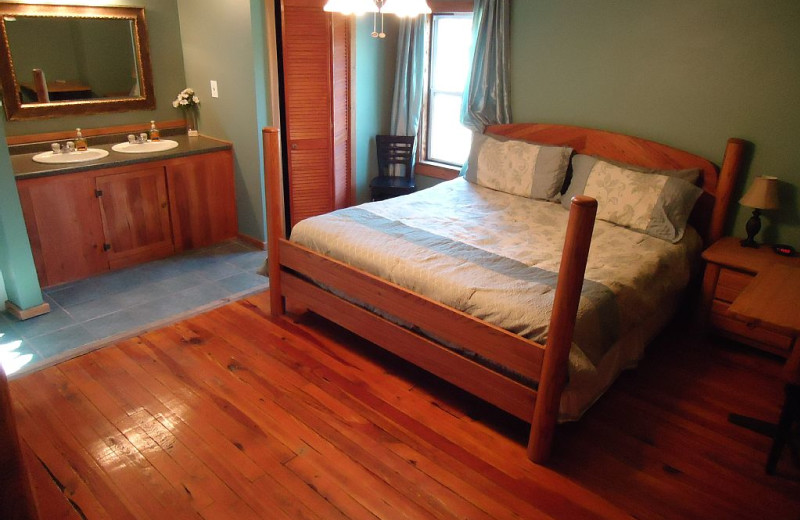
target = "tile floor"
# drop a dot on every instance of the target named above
(90, 313)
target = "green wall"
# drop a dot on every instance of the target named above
(689, 74)
(166, 56)
(225, 42)
(374, 75)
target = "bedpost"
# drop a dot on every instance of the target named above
(562, 322)
(731, 164)
(276, 220)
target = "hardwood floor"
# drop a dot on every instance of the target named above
(230, 415)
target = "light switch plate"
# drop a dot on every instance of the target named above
(214, 91)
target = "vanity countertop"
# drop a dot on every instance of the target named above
(25, 168)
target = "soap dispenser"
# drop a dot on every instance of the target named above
(80, 141)
(155, 135)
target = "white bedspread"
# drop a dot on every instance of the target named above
(496, 256)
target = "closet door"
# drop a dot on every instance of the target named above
(316, 78)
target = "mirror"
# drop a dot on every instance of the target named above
(71, 60)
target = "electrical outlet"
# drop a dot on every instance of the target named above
(214, 91)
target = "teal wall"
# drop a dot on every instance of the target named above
(374, 75)
(166, 56)
(3, 294)
(223, 42)
(18, 281)
(689, 74)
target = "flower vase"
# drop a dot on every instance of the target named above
(190, 116)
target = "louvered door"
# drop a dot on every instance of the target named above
(316, 67)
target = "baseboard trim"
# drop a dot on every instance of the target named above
(253, 241)
(30, 312)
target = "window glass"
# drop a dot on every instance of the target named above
(447, 140)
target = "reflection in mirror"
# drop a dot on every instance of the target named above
(66, 60)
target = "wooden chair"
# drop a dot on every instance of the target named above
(394, 150)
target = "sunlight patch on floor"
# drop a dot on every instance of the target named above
(10, 359)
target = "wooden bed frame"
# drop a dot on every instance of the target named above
(291, 266)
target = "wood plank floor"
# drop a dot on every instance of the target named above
(230, 415)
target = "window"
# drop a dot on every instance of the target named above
(446, 140)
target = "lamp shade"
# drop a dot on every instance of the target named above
(763, 194)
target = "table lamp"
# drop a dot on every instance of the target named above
(763, 194)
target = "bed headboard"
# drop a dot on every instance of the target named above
(710, 213)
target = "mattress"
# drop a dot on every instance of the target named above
(496, 256)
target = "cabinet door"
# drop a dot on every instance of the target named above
(202, 199)
(63, 221)
(135, 213)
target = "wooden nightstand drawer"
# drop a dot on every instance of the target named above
(760, 336)
(730, 284)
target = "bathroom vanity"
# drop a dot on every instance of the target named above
(124, 209)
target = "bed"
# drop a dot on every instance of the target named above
(497, 293)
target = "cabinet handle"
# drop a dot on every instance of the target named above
(163, 205)
(294, 146)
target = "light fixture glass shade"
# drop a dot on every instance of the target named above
(406, 7)
(763, 194)
(351, 6)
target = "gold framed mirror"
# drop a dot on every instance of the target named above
(63, 60)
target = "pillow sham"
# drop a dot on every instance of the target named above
(657, 203)
(517, 167)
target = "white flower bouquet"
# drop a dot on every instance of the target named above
(186, 99)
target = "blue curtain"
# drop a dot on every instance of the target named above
(486, 97)
(409, 76)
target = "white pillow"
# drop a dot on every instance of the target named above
(517, 167)
(658, 204)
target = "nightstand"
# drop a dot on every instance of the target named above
(729, 269)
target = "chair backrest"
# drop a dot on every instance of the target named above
(395, 149)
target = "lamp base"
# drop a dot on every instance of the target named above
(752, 227)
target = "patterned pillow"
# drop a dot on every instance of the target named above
(657, 203)
(517, 167)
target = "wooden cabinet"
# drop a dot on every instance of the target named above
(200, 194)
(315, 51)
(85, 223)
(135, 214)
(729, 269)
(62, 215)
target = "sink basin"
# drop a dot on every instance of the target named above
(148, 147)
(92, 154)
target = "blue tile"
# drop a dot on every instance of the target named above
(123, 280)
(129, 300)
(250, 261)
(137, 295)
(240, 283)
(163, 269)
(52, 321)
(56, 343)
(197, 296)
(6, 322)
(76, 293)
(114, 323)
